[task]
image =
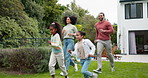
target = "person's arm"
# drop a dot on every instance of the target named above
(73, 53)
(74, 30)
(92, 46)
(109, 28)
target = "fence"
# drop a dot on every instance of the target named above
(23, 42)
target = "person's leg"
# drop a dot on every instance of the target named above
(85, 63)
(65, 43)
(60, 59)
(100, 48)
(108, 46)
(69, 61)
(52, 64)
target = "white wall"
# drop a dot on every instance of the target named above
(126, 25)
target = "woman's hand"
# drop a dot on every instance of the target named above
(71, 34)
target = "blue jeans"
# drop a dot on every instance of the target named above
(85, 63)
(68, 44)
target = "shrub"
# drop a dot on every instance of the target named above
(117, 52)
(27, 60)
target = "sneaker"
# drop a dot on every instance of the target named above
(62, 74)
(94, 75)
(76, 67)
(97, 71)
(66, 77)
(112, 69)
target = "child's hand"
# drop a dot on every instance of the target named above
(69, 51)
(49, 41)
(57, 48)
(91, 55)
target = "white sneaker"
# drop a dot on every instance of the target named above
(112, 69)
(97, 71)
(76, 67)
(62, 74)
(95, 75)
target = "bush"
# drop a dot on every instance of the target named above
(26, 60)
(117, 52)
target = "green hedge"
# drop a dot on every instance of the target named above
(27, 60)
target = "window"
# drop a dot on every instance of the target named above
(133, 11)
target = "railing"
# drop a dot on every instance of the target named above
(23, 42)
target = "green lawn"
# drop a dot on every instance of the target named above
(122, 70)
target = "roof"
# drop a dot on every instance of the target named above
(129, 0)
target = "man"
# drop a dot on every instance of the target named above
(103, 40)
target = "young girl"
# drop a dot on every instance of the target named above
(68, 39)
(84, 49)
(57, 51)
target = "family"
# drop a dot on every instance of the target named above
(83, 49)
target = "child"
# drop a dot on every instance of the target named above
(84, 49)
(57, 51)
(68, 39)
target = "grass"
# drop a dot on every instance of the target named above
(122, 70)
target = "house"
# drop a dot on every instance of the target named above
(132, 34)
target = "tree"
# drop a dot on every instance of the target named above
(114, 34)
(88, 23)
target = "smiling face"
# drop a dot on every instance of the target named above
(68, 21)
(79, 37)
(101, 17)
(52, 30)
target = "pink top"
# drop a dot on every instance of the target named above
(105, 25)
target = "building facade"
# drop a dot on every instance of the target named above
(132, 34)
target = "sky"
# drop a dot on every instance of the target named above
(109, 7)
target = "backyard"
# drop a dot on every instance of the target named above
(122, 70)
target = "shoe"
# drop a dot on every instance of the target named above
(76, 67)
(94, 75)
(112, 69)
(62, 74)
(97, 71)
(66, 77)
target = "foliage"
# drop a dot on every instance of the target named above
(15, 10)
(117, 51)
(53, 12)
(34, 10)
(9, 29)
(88, 22)
(114, 35)
(28, 60)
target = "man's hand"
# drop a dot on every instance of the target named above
(101, 30)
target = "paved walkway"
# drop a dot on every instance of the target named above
(133, 58)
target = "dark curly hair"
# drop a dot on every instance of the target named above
(72, 18)
(82, 33)
(58, 27)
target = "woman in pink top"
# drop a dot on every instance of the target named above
(103, 40)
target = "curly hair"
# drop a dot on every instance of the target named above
(58, 27)
(72, 18)
(82, 33)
